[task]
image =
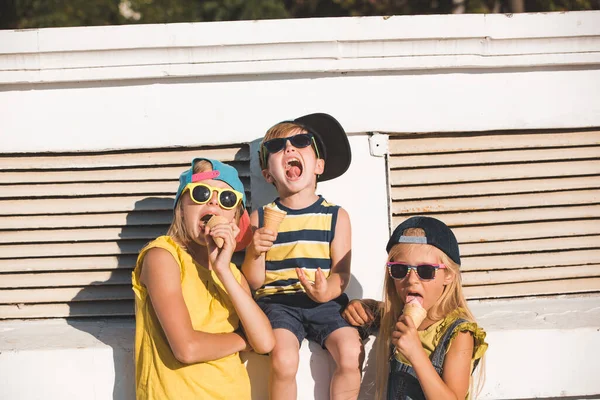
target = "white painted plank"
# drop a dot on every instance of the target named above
(525, 33)
(71, 249)
(418, 144)
(530, 260)
(497, 202)
(546, 288)
(158, 173)
(142, 158)
(87, 220)
(82, 205)
(529, 230)
(59, 295)
(85, 205)
(566, 198)
(475, 217)
(494, 157)
(82, 235)
(165, 188)
(492, 188)
(60, 279)
(421, 176)
(63, 310)
(70, 263)
(155, 188)
(530, 274)
(528, 246)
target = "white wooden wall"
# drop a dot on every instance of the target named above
(71, 225)
(524, 205)
(493, 124)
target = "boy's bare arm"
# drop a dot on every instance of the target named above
(341, 255)
(253, 267)
(363, 312)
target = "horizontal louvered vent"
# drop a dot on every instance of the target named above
(71, 225)
(525, 207)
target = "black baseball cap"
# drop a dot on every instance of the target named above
(437, 234)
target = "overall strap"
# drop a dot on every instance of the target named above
(403, 383)
(437, 358)
(397, 366)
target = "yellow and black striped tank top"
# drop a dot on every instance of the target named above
(304, 241)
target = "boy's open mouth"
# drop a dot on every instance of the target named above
(293, 168)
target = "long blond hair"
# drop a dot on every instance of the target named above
(452, 298)
(177, 230)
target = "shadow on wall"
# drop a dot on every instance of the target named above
(369, 376)
(111, 301)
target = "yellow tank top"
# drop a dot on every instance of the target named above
(159, 375)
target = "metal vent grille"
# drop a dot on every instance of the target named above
(71, 225)
(525, 206)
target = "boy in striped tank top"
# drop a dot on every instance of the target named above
(300, 272)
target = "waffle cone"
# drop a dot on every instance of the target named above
(215, 220)
(415, 312)
(273, 218)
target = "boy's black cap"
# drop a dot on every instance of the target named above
(334, 147)
(437, 234)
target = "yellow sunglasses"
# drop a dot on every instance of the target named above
(201, 193)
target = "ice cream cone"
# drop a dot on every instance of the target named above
(215, 220)
(415, 311)
(273, 218)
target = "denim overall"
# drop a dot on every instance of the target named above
(402, 381)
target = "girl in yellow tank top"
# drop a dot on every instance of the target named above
(191, 301)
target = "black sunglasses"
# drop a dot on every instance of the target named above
(426, 272)
(299, 141)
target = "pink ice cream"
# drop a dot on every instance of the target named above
(414, 310)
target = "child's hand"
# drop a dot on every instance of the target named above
(220, 258)
(406, 339)
(262, 241)
(317, 291)
(357, 314)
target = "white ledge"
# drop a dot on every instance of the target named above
(539, 348)
(302, 46)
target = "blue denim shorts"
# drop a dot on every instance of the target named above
(303, 317)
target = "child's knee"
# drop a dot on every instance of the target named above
(350, 358)
(348, 352)
(284, 361)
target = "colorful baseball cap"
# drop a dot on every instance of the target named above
(437, 234)
(221, 172)
(224, 173)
